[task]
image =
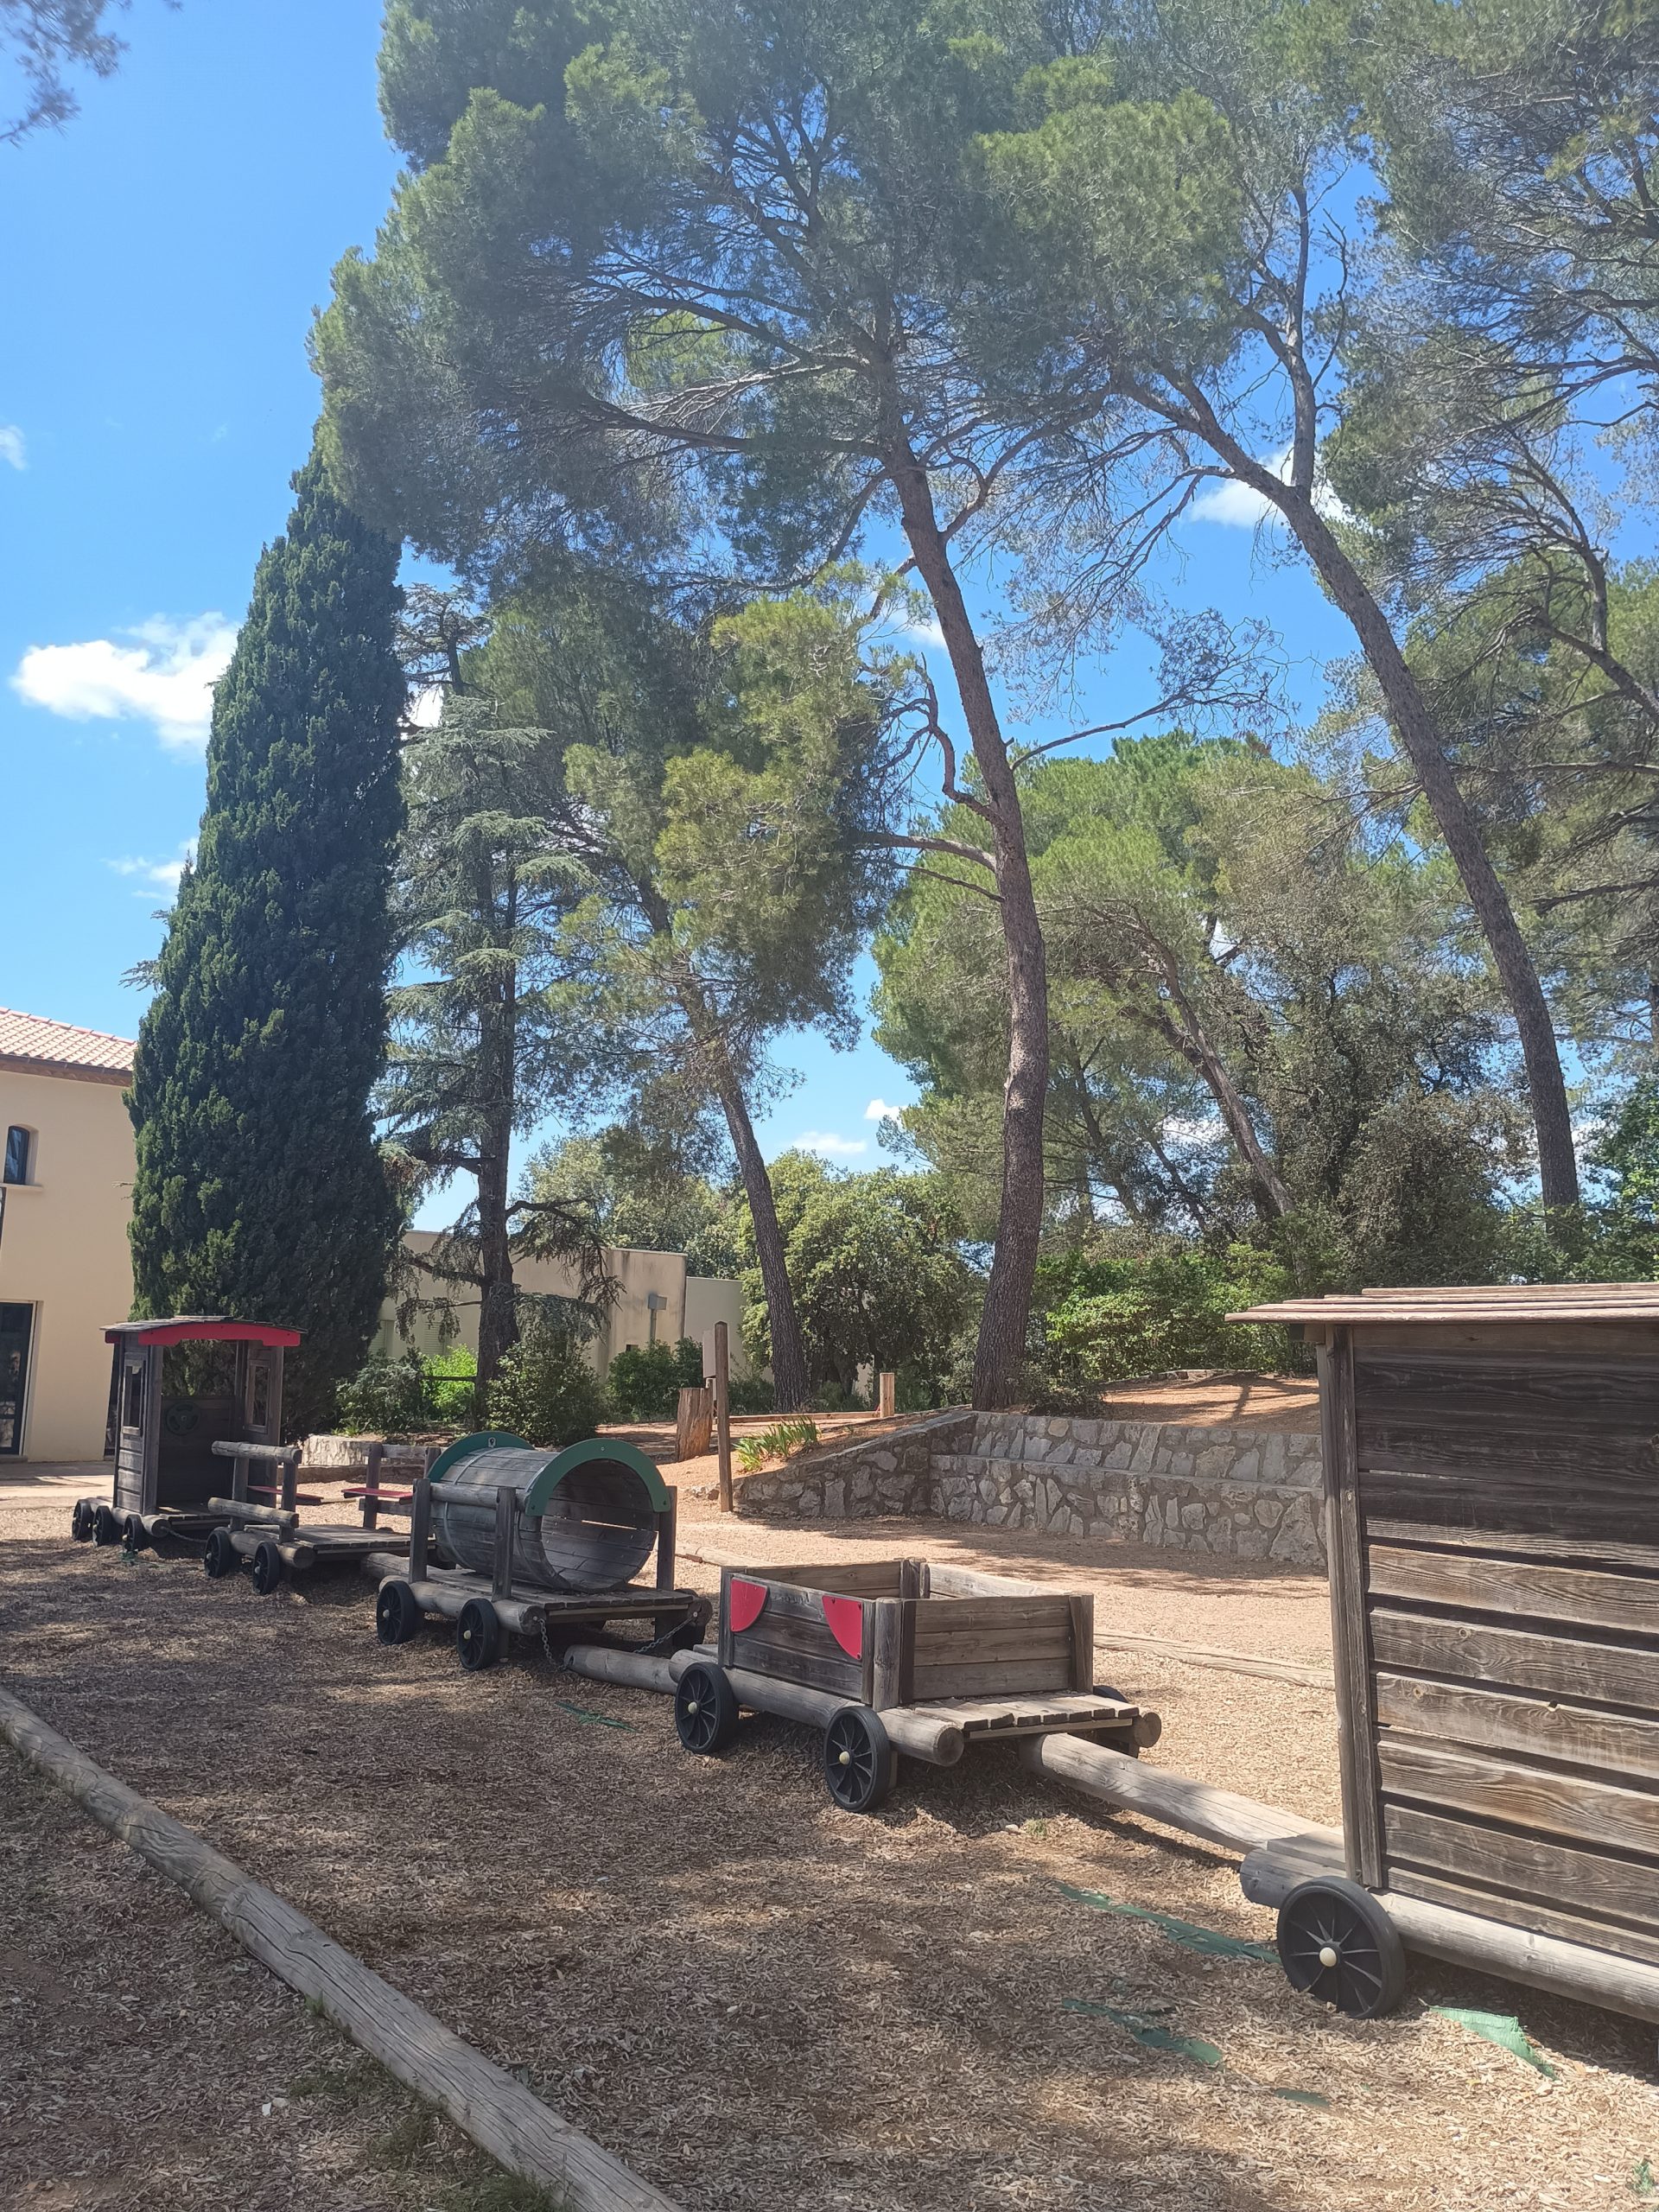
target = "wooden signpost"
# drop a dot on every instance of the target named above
(724, 1415)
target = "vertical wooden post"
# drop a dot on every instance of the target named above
(667, 1522)
(1082, 1611)
(291, 1478)
(723, 1638)
(724, 1415)
(239, 1477)
(1351, 1638)
(507, 1507)
(887, 1393)
(420, 1527)
(370, 1498)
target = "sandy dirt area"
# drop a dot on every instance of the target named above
(757, 1999)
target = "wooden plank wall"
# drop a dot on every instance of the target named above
(1510, 1509)
(987, 1647)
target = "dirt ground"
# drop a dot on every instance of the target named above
(756, 2000)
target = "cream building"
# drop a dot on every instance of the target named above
(656, 1302)
(65, 1269)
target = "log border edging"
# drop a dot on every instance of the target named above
(485, 2101)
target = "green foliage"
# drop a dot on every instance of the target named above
(546, 1391)
(644, 1382)
(485, 883)
(639, 1192)
(397, 1397)
(780, 1441)
(1110, 1314)
(874, 1265)
(753, 1393)
(259, 1191)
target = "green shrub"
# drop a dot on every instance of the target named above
(385, 1397)
(1110, 1317)
(644, 1383)
(777, 1442)
(397, 1397)
(753, 1393)
(546, 1391)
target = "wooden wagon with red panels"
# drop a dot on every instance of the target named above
(891, 1656)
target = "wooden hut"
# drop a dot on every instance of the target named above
(1492, 1491)
(178, 1387)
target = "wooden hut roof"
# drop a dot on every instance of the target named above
(201, 1328)
(1486, 1303)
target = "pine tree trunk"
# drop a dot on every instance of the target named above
(789, 1377)
(498, 1306)
(1558, 1171)
(1001, 1350)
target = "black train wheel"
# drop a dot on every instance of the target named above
(478, 1635)
(134, 1534)
(107, 1529)
(267, 1568)
(219, 1561)
(81, 1520)
(860, 1764)
(398, 1617)
(1337, 1943)
(705, 1709)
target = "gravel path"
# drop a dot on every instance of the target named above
(757, 2000)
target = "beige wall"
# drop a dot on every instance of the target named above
(690, 1306)
(63, 1251)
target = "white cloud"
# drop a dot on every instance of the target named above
(166, 679)
(878, 1110)
(155, 875)
(926, 631)
(1179, 1131)
(428, 709)
(831, 1146)
(1237, 507)
(12, 447)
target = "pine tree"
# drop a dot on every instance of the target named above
(259, 1190)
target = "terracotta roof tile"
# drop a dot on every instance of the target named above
(28, 1039)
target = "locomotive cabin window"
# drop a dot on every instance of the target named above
(20, 1155)
(132, 1407)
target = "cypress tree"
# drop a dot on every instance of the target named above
(259, 1191)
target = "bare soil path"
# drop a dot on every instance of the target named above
(757, 2000)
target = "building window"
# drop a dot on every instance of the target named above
(20, 1146)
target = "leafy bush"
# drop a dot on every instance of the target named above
(644, 1381)
(546, 1391)
(1110, 1316)
(777, 1442)
(397, 1397)
(753, 1393)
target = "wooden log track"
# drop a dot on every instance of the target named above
(1237, 1823)
(499, 2113)
(239, 1508)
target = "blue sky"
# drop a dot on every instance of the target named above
(165, 254)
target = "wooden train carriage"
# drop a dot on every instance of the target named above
(1492, 1486)
(895, 1632)
(892, 1655)
(178, 1387)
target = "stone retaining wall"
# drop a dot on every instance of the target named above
(891, 1475)
(1241, 1493)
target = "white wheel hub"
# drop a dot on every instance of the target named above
(1327, 1955)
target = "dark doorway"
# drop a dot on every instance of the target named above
(16, 1323)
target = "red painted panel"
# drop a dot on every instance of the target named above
(745, 1602)
(217, 1332)
(846, 1619)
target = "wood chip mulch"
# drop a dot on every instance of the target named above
(757, 2000)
